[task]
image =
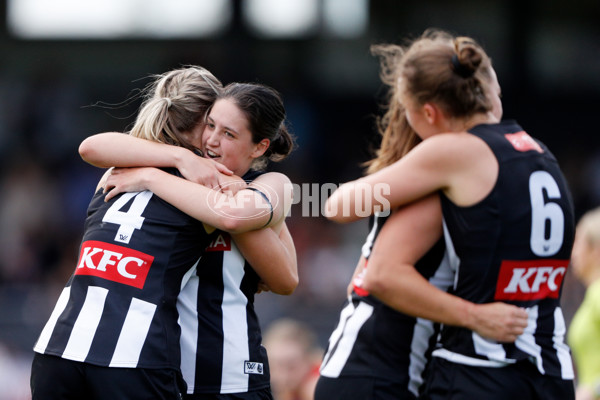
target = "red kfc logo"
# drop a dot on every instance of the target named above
(521, 141)
(530, 280)
(115, 263)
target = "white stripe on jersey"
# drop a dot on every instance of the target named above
(422, 333)
(466, 360)
(368, 245)
(487, 347)
(336, 362)
(453, 259)
(187, 303)
(337, 333)
(423, 330)
(60, 306)
(562, 350)
(133, 334)
(86, 324)
(235, 325)
(526, 341)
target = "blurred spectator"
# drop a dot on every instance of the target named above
(29, 221)
(584, 331)
(294, 359)
(14, 375)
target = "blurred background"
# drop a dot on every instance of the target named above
(70, 68)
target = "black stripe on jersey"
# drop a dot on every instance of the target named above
(60, 337)
(210, 336)
(106, 336)
(257, 352)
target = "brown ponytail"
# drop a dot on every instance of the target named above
(397, 136)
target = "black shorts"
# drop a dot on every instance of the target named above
(451, 381)
(261, 394)
(360, 388)
(55, 378)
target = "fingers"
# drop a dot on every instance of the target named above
(107, 185)
(508, 338)
(516, 324)
(212, 182)
(223, 169)
(521, 318)
(501, 322)
(110, 189)
(262, 287)
(110, 194)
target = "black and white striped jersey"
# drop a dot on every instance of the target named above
(513, 246)
(118, 309)
(221, 337)
(373, 340)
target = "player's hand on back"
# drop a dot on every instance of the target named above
(121, 180)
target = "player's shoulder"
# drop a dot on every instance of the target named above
(272, 178)
(450, 147)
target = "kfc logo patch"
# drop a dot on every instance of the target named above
(221, 243)
(521, 141)
(115, 263)
(530, 280)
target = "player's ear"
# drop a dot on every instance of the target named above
(260, 148)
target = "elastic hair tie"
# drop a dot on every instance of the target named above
(169, 102)
(460, 69)
(268, 202)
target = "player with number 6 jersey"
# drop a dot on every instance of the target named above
(508, 220)
(533, 204)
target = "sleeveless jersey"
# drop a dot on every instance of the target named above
(118, 309)
(221, 337)
(374, 340)
(513, 246)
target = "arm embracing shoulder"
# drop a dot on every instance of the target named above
(271, 250)
(273, 257)
(114, 149)
(424, 170)
(234, 213)
(391, 276)
(266, 203)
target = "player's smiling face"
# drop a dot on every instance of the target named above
(227, 138)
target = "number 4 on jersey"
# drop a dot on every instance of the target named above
(131, 219)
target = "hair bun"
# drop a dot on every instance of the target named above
(460, 68)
